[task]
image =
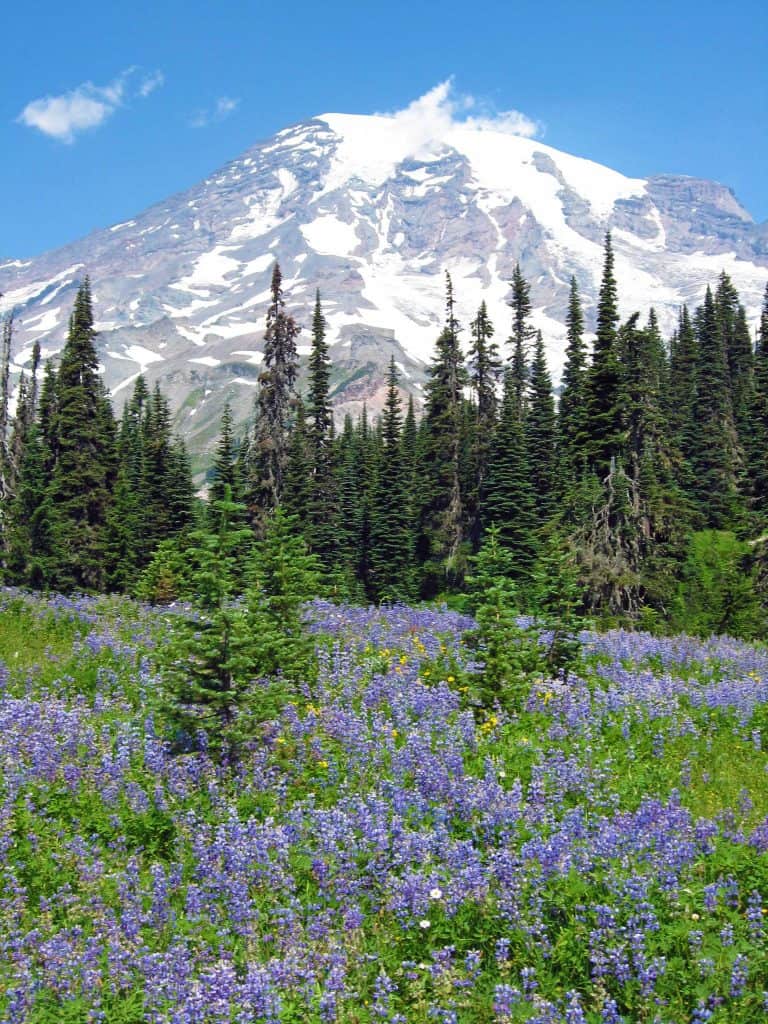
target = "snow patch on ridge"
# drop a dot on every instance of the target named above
(330, 236)
(211, 268)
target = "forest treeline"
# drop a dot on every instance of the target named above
(647, 482)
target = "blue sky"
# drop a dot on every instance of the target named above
(106, 108)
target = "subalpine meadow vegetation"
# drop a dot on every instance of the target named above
(457, 718)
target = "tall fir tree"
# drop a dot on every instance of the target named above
(603, 393)
(441, 532)
(410, 449)
(681, 394)
(127, 544)
(153, 493)
(541, 434)
(24, 420)
(571, 422)
(83, 471)
(275, 406)
(734, 330)
(298, 492)
(30, 552)
(522, 336)
(352, 540)
(166, 506)
(321, 533)
(757, 444)
(652, 463)
(6, 340)
(716, 457)
(224, 476)
(510, 503)
(391, 536)
(484, 373)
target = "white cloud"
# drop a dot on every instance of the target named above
(428, 118)
(150, 83)
(63, 117)
(222, 108)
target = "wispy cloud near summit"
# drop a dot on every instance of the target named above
(65, 116)
(223, 107)
(432, 115)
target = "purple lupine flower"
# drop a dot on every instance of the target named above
(755, 916)
(505, 999)
(739, 975)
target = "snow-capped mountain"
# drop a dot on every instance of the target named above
(372, 213)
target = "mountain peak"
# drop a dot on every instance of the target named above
(372, 209)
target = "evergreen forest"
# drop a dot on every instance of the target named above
(643, 488)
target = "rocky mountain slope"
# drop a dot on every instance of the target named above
(372, 217)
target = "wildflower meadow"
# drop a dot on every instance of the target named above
(384, 848)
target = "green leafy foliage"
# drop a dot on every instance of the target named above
(510, 652)
(717, 592)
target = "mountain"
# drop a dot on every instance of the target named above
(372, 214)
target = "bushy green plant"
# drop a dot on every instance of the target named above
(509, 651)
(283, 577)
(229, 661)
(166, 578)
(717, 591)
(556, 599)
(212, 656)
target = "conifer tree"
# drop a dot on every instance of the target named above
(225, 478)
(758, 438)
(126, 540)
(153, 497)
(652, 462)
(409, 442)
(227, 487)
(441, 532)
(213, 657)
(26, 414)
(410, 450)
(522, 335)
(602, 406)
(352, 518)
(83, 470)
(540, 434)
(275, 404)
(716, 457)
(321, 533)
(48, 415)
(165, 505)
(284, 576)
(179, 489)
(509, 502)
(609, 546)
(571, 422)
(681, 395)
(298, 491)
(469, 471)
(6, 339)
(30, 546)
(391, 556)
(484, 368)
(733, 328)
(484, 373)
(367, 468)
